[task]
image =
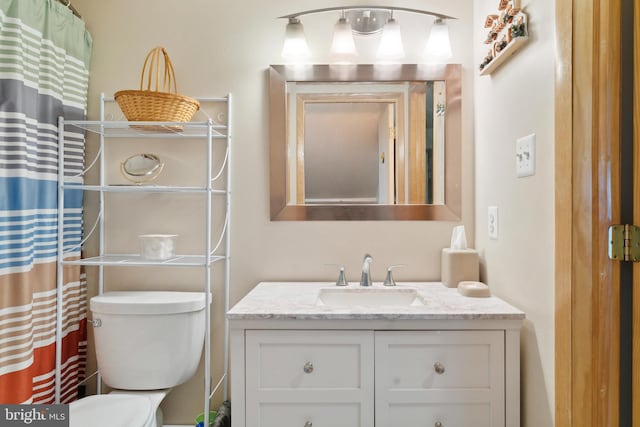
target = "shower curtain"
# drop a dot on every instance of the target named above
(44, 73)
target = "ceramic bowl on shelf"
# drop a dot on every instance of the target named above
(158, 247)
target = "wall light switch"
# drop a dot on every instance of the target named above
(492, 222)
(526, 156)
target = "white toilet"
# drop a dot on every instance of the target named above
(146, 343)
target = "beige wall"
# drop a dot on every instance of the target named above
(515, 101)
(219, 47)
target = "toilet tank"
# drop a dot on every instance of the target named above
(148, 340)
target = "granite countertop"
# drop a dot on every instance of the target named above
(299, 301)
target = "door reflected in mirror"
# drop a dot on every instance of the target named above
(370, 143)
(365, 142)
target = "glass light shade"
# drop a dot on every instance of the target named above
(295, 44)
(343, 48)
(391, 48)
(438, 44)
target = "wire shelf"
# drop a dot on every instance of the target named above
(141, 189)
(135, 260)
(151, 130)
(211, 131)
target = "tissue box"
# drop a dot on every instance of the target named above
(459, 265)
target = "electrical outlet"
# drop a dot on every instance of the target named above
(526, 156)
(492, 222)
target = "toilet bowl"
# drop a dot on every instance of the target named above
(146, 343)
(117, 410)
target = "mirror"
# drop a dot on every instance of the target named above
(370, 143)
(141, 168)
(365, 142)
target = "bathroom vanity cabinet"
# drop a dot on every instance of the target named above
(451, 361)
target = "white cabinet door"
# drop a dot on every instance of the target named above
(301, 376)
(427, 377)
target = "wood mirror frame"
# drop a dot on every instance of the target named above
(279, 75)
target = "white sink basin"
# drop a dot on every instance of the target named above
(344, 297)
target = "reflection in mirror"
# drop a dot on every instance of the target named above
(365, 142)
(371, 143)
(339, 157)
(141, 168)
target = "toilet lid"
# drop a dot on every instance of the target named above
(110, 410)
(152, 302)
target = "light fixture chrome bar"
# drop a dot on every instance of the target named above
(378, 7)
(368, 21)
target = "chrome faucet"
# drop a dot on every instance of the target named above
(365, 279)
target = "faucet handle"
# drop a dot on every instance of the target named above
(342, 280)
(388, 281)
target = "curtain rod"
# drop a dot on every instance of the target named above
(71, 8)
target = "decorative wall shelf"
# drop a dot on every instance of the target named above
(508, 32)
(502, 56)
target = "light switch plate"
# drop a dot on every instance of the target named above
(526, 156)
(492, 222)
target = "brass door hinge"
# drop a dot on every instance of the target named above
(624, 243)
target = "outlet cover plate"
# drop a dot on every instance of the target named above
(492, 222)
(526, 156)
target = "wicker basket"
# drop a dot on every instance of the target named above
(149, 105)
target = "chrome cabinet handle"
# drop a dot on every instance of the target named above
(308, 368)
(439, 368)
(438, 424)
(308, 424)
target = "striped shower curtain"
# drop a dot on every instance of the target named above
(44, 63)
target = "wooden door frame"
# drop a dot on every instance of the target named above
(635, 399)
(587, 124)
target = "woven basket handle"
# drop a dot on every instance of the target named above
(152, 66)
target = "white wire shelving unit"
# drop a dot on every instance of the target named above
(214, 252)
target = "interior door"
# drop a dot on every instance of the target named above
(587, 181)
(635, 155)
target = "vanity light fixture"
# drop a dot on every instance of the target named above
(391, 48)
(365, 21)
(438, 44)
(295, 45)
(343, 48)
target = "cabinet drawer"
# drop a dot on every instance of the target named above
(443, 361)
(307, 415)
(308, 360)
(438, 376)
(440, 415)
